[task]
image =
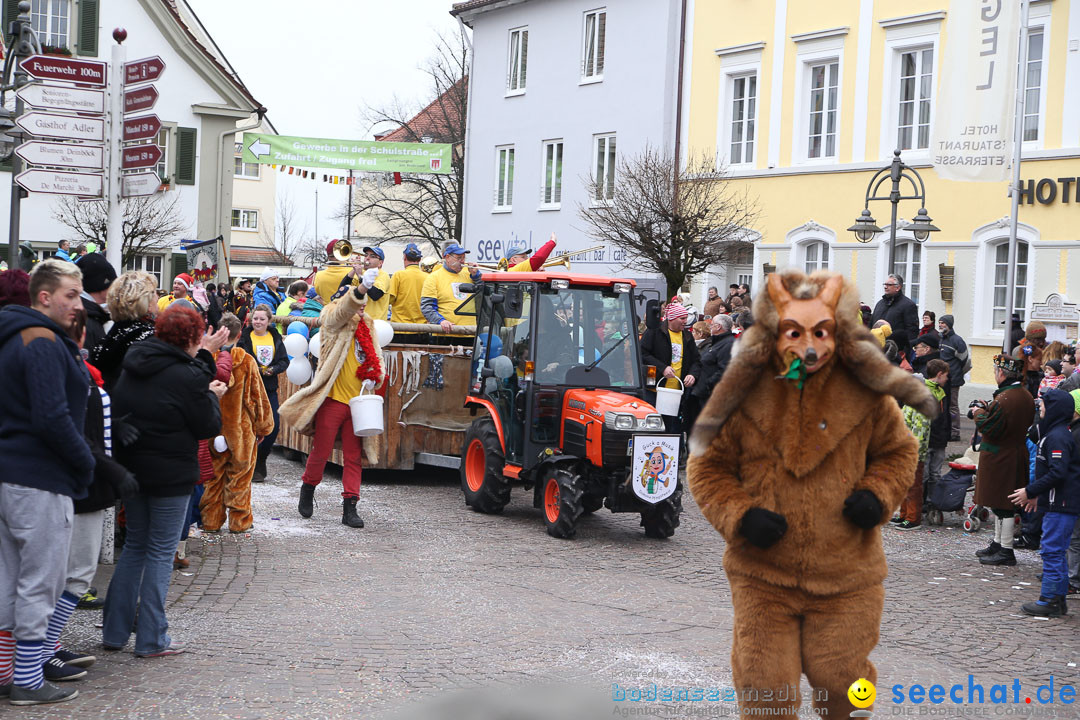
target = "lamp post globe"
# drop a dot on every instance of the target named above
(865, 227)
(921, 227)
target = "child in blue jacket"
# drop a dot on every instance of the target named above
(1057, 485)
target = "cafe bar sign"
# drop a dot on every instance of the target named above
(1047, 191)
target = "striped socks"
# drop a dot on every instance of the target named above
(28, 664)
(7, 657)
(65, 606)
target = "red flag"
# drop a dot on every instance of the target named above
(397, 178)
(291, 170)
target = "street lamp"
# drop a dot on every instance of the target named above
(24, 44)
(865, 226)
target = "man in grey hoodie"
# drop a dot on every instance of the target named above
(955, 352)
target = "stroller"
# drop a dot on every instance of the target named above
(950, 493)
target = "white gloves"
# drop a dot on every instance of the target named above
(369, 277)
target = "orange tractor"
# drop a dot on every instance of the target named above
(558, 391)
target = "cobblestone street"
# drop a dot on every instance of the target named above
(311, 619)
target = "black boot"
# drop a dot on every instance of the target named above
(991, 549)
(306, 506)
(1003, 556)
(348, 514)
(1045, 607)
(260, 466)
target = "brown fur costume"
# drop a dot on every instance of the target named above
(811, 602)
(245, 415)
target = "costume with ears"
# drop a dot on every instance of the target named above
(799, 457)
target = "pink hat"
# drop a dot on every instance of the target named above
(676, 311)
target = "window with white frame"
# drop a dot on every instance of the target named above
(147, 263)
(50, 19)
(916, 89)
(241, 169)
(1001, 283)
(592, 46)
(163, 138)
(743, 119)
(518, 60)
(816, 256)
(908, 265)
(1033, 84)
(245, 219)
(604, 177)
(553, 159)
(824, 98)
(504, 177)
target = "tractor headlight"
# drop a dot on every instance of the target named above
(653, 422)
(619, 421)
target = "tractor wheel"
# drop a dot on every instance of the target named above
(482, 481)
(661, 520)
(562, 503)
(592, 503)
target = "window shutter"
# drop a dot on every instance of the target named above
(524, 56)
(88, 28)
(602, 23)
(179, 263)
(185, 155)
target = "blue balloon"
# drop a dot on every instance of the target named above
(298, 327)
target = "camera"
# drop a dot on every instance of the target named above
(975, 404)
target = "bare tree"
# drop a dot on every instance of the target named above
(284, 233)
(423, 207)
(677, 222)
(151, 224)
(312, 251)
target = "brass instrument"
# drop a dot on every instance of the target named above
(341, 253)
(564, 260)
(428, 264)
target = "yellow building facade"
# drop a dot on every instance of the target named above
(805, 101)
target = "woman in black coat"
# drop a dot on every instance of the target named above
(132, 301)
(272, 359)
(166, 389)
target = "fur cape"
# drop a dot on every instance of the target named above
(756, 362)
(339, 321)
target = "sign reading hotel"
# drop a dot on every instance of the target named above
(973, 127)
(358, 155)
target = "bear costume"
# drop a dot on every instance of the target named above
(798, 458)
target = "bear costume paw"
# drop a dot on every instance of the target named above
(762, 527)
(863, 508)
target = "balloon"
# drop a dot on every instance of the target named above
(299, 371)
(220, 444)
(502, 366)
(299, 328)
(296, 345)
(384, 331)
(314, 344)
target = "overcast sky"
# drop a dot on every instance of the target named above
(315, 72)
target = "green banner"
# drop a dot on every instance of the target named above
(358, 155)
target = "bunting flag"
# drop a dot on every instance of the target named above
(379, 180)
(397, 178)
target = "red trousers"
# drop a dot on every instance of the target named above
(911, 508)
(331, 419)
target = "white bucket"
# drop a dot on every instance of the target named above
(367, 415)
(668, 400)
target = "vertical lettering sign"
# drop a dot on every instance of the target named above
(973, 122)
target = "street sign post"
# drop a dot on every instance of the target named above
(142, 98)
(66, 155)
(67, 127)
(142, 127)
(145, 70)
(61, 97)
(141, 156)
(50, 67)
(140, 184)
(57, 182)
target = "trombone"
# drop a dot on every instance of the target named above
(564, 260)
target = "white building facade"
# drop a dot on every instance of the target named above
(559, 91)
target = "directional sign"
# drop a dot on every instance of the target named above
(142, 98)
(56, 182)
(68, 127)
(67, 155)
(61, 97)
(145, 70)
(365, 155)
(141, 156)
(142, 127)
(49, 67)
(140, 183)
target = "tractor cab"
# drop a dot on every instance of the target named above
(558, 388)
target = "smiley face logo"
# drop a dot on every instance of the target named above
(862, 693)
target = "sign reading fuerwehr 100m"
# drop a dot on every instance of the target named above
(359, 155)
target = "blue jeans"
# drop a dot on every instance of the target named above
(141, 579)
(1056, 533)
(268, 442)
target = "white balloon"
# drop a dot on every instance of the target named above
(296, 345)
(221, 444)
(314, 344)
(299, 371)
(384, 331)
(502, 366)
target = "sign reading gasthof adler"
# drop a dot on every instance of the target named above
(973, 126)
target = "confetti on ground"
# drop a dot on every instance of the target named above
(932, 583)
(1001, 574)
(1023, 583)
(941, 578)
(967, 574)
